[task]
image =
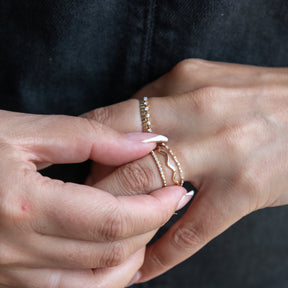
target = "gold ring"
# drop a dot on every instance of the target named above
(174, 165)
(145, 115)
(163, 149)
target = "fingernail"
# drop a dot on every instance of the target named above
(185, 199)
(146, 137)
(191, 193)
(156, 139)
(136, 277)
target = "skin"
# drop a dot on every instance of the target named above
(55, 234)
(228, 126)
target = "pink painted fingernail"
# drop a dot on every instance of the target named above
(185, 199)
(136, 277)
(147, 137)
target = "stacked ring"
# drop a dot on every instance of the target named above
(176, 169)
(160, 169)
(145, 115)
(162, 149)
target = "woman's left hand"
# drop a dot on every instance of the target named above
(228, 126)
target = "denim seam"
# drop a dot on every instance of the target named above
(149, 32)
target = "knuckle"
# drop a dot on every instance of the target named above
(260, 126)
(157, 260)
(82, 125)
(94, 126)
(233, 139)
(205, 101)
(249, 184)
(187, 237)
(113, 228)
(134, 177)
(246, 136)
(248, 180)
(239, 138)
(102, 115)
(74, 256)
(188, 67)
(114, 256)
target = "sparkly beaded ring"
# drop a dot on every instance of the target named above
(161, 149)
(145, 115)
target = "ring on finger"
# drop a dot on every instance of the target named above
(162, 149)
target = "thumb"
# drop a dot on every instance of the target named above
(66, 139)
(124, 116)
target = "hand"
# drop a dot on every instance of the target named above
(228, 126)
(54, 234)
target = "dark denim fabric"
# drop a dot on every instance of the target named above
(72, 56)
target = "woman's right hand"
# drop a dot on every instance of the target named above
(54, 234)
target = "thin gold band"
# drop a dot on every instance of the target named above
(163, 149)
(160, 169)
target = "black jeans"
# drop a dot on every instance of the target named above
(72, 56)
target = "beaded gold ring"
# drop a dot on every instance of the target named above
(160, 169)
(162, 149)
(145, 115)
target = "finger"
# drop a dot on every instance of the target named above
(207, 110)
(66, 253)
(65, 139)
(193, 74)
(138, 177)
(123, 272)
(109, 277)
(82, 212)
(211, 213)
(124, 116)
(198, 160)
(135, 178)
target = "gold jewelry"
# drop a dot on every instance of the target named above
(145, 115)
(159, 166)
(162, 149)
(165, 150)
(146, 127)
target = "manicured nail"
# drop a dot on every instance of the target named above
(185, 199)
(156, 139)
(136, 277)
(146, 137)
(191, 193)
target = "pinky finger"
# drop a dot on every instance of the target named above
(114, 277)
